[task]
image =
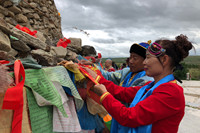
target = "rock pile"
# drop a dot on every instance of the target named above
(42, 16)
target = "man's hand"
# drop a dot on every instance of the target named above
(85, 62)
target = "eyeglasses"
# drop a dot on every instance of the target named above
(156, 49)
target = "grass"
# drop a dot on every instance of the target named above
(192, 60)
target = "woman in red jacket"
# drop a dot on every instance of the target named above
(156, 107)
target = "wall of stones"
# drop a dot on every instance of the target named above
(40, 15)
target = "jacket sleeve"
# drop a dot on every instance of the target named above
(165, 101)
(115, 77)
(124, 94)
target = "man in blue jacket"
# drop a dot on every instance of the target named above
(134, 75)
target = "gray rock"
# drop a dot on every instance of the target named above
(11, 21)
(88, 51)
(4, 42)
(7, 3)
(3, 55)
(25, 10)
(21, 18)
(36, 16)
(70, 55)
(44, 9)
(20, 46)
(12, 52)
(40, 36)
(44, 58)
(4, 26)
(30, 15)
(31, 21)
(15, 9)
(75, 45)
(34, 5)
(2, 15)
(59, 51)
(11, 14)
(28, 39)
(3, 11)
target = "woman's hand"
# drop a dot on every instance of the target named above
(99, 89)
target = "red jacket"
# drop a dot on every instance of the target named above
(164, 109)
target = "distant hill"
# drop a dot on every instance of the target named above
(189, 60)
(116, 60)
(192, 60)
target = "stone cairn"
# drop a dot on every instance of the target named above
(42, 16)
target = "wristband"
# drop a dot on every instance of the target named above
(103, 96)
(98, 78)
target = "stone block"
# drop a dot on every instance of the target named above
(34, 5)
(12, 52)
(3, 55)
(21, 18)
(11, 21)
(25, 10)
(15, 9)
(11, 14)
(36, 16)
(2, 15)
(20, 46)
(88, 51)
(7, 3)
(70, 55)
(75, 45)
(44, 58)
(44, 9)
(4, 42)
(40, 36)
(28, 39)
(60, 51)
(3, 11)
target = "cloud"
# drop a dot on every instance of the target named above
(119, 24)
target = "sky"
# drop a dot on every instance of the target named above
(114, 25)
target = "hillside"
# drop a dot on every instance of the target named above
(189, 60)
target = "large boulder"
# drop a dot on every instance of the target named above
(44, 58)
(28, 39)
(75, 45)
(21, 18)
(70, 55)
(60, 52)
(15, 9)
(88, 51)
(20, 46)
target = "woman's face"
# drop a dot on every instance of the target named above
(152, 65)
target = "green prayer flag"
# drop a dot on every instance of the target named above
(40, 117)
(44, 88)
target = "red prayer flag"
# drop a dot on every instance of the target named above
(27, 30)
(13, 98)
(63, 42)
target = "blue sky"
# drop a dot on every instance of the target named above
(114, 25)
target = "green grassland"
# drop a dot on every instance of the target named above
(192, 60)
(192, 63)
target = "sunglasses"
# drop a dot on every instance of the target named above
(156, 49)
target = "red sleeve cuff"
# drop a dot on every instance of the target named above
(102, 80)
